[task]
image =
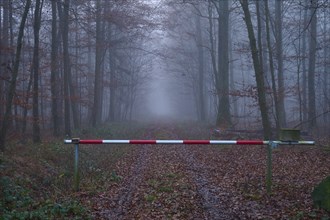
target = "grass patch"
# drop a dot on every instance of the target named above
(166, 189)
(165, 183)
(154, 183)
(253, 196)
(18, 203)
(150, 198)
(172, 175)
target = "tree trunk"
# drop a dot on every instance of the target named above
(258, 71)
(113, 83)
(90, 77)
(326, 73)
(304, 66)
(78, 78)
(223, 117)
(311, 66)
(213, 56)
(67, 68)
(26, 102)
(4, 53)
(212, 50)
(272, 71)
(201, 99)
(259, 34)
(279, 56)
(72, 91)
(97, 106)
(299, 65)
(12, 86)
(35, 103)
(1, 70)
(232, 71)
(54, 75)
(73, 100)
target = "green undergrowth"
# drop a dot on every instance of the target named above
(17, 202)
(36, 180)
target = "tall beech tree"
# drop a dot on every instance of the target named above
(97, 105)
(54, 75)
(201, 70)
(311, 65)
(272, 70)
(223, 117)
(279, 57)
(220, 58)
(36, 29)
(66, 66)
(4, 50)
(258, 70)
(12, 85)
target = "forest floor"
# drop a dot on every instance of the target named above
(161, 181)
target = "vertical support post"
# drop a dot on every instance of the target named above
(76, 168)
(269, 174)
(269, 169)
(76, 164)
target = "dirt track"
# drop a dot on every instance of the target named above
(208, 182)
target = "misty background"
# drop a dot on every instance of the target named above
(236, 64)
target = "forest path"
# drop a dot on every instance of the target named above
(163, 181)
(209, 182)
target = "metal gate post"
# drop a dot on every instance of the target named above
(76, 164)
(270, 146)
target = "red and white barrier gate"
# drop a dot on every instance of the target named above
(270, 144)
(198, 142)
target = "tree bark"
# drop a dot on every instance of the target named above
(326, 72)
(223, 117)
(73, 99)
(201, 99)
(113, 83)
(272, 71)
(35, 103)
(258, 71)
(279, 56)
(26, 102)
(97, 106)
(12, 86)
(304, 66)
(311, 66)
(4, 54)
(54, 75)
(212, 50)
(67, 68)
(1, 70)
(259, 35)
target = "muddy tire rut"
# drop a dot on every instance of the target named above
(121, 203)
(213, 198)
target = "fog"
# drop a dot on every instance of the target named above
(233, 65)
(160, 101)
(166, 97)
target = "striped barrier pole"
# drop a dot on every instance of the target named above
(271, 145)
(198, 142)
